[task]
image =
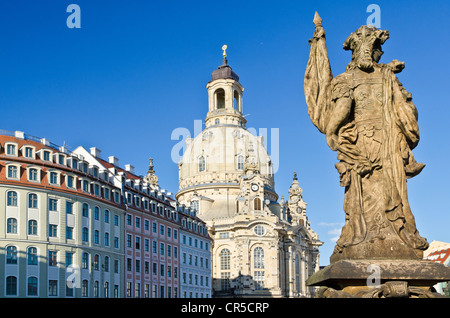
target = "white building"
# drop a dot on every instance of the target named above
(262, 247)
(195, 256)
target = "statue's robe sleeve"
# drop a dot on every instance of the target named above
(317, 85)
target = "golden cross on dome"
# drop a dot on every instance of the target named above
(224, 48)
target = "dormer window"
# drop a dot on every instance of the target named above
(11, 149)
(95, 172)
(46, 155)
(61, 159)
(29, 152)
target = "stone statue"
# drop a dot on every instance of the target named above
(369, 119)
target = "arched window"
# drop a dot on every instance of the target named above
(32, 256)
(32, 201)
(258, 264)
(85, 234)
(257, 204)
(106, 264)
(236, 100)
(201, 164)
(240, 162)
(11, 198)
(85, 261)
(225, 269)
(32, 286)
(220, 98)
(11, 255)
(96, 262)
(96, 213)
(217, 121)
(32, 227)
(258, 255)
(84, 288)
(85, 209)
(11, 225)
(225, 259)
(12, 172)
(11, 285)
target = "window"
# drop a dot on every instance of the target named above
(96, 262)
(32, 256)
(195, 205)
(220, 98)
(11, 226)
(28, 152)
(96, 213)
(258, 256)
(11, 285)
(106, 239)
(69, 207)
(11, 198)
(106, 216)
(85, 186)
(240, 163)
(259, 230)
(53, 204)
(53, 287)
(96, 236)
(257, 204)
(54, 177)
(201, 164)
(70, 182)
(85, 234)
(85, 211)
(85, 261)
(52, 258)
(236, 101)
(69, 232)
(52, 230)
(32, 286)
(11, 255)
(32, 174)
(225, 259)
(46, 155)
(13, 172)
(84, 288)
(259, 280)
(32, 227)
(32, 201)
(11, 150)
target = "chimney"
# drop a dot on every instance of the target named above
(96, 152)
(129, 168)
(113, 160)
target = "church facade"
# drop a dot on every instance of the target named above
(262, 246)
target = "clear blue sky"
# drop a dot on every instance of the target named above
(136, 70)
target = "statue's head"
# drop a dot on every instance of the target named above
(365, 44)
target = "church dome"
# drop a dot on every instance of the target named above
(218, 155)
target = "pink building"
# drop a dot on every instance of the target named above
(151, 236)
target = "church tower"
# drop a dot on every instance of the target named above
(261, 247)
(225, 96)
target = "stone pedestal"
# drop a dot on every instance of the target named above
(379, 279)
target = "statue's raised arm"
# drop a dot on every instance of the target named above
(318, 78)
